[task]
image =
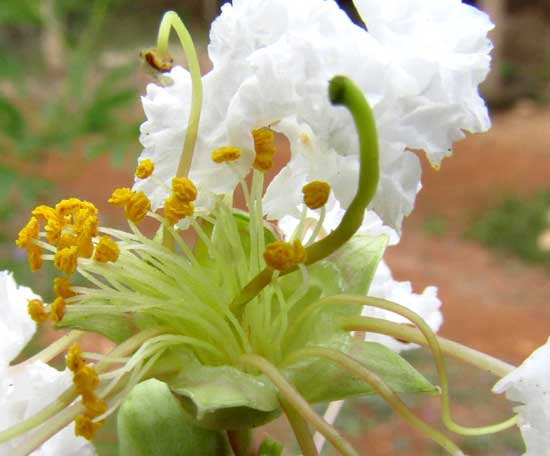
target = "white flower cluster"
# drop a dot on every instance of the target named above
(419, 65)
(529, 385)
(27, 388)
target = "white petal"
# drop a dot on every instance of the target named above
(16, 327)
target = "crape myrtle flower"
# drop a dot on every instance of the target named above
(419, 65)
(28, 387)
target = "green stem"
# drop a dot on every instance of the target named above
(439, 360)
(342, 92)
(300, 429)
(288, 393)
(171, 20)
(52, 350)
(378, 385)
(403, 332)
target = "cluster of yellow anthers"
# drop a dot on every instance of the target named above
(283, 255)
(69, 229)
(85, 380)
(180, 203)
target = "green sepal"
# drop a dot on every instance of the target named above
(117, 327)
(270, 447)
(357, 261)
(151, 422)
(322, 380)
(223, 397)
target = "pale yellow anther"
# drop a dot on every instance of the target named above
(73, 360)
(57, 310)
(282, 255)
(137, 207)
(106, 250)
(175, 209)
(85, 379)
(85, 427)
(34, 256)
(66, 259)
(37, 311)
(62, 288)
(226, 154)
(144, 169)
(316, 194)
(120, 197)
(28, 233)
(184, 189)
(264, 149)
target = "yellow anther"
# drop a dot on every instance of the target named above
(120, 197)
(316, 194)
(106, 250)
(57, 310)
(144, 169)
(67, 206)
(62, 288)
(184, 189)
(53, 228)
(67, 240)
(37, 311)
(85, 379)
(73, 360)
(85, 246)
(65, 259)
(85, 427)
(94, 405)
(28, 233)
(282, 255)
(263, 146)
(137, 207)
(226, 154)
(175, 209)
(34, 255)
(44, 213)
(160, 62)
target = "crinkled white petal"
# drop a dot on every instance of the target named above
(16, 327)
(425, 304)
(26, 389)
(529, 385)
(443, 46)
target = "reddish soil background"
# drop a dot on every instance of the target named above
(493, 303)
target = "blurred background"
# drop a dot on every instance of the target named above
(70, 80)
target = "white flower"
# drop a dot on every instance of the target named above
(419, 65)
(529, 384)
(426, 304)
(27, 388)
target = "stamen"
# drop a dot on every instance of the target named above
(85, 379)
(62, 287)
(34, 255)
(282, 255)
(37, 311)
(28, 234)
(73, 360)
(44, 213)
(175, 209)
(145, 169)
(137, 207)
(120, 197)
(263, 146)
(106, 250)
(316, 194)
(85, 427)
(184, 188)
(65, 259)
(57, 310)
(94, 405)
(226, 154)
(162, 62)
